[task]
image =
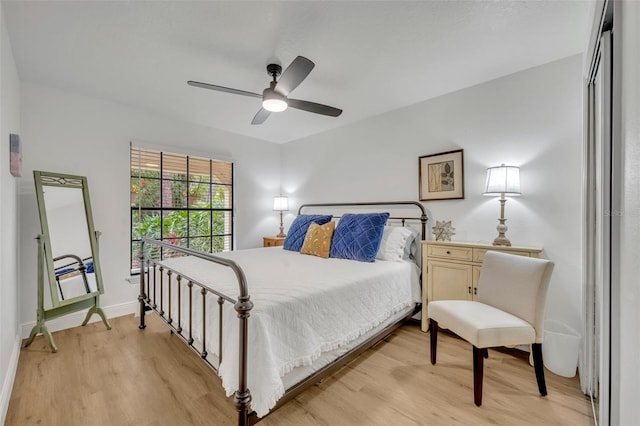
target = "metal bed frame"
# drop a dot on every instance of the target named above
(153, 273)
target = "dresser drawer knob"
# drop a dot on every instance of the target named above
(448, 252)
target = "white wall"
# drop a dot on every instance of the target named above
(532, 119)
(9, 314)
(627, 409)
(68, 133)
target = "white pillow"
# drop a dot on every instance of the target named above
(411, 249)
(396, 243)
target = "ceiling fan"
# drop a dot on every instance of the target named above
(275, 97)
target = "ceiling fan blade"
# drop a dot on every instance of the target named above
(297, 71)
(314, 107)
(223, 89)
(262, 115)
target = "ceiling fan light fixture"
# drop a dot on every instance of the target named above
(273, 101)
(274, 105)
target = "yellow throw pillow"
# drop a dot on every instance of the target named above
(317, 242)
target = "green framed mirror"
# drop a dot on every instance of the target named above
(68, 255)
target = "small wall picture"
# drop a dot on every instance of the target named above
(15, 159)
(441, 176)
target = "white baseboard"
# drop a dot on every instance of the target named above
(75, 319)
(7, 383)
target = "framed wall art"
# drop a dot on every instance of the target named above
(441, 176)
(15, 158)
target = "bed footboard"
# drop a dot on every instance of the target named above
(152, 297)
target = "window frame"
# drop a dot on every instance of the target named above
(228, 212)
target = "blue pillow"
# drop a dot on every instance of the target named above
(298, 229)
(358, 236)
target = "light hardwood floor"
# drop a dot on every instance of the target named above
(130, 377)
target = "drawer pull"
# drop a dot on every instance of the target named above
(448, 252)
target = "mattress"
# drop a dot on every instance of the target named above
(307, 310)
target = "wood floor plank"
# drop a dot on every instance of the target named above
(126, 376)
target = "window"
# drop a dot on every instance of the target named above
(182, 200)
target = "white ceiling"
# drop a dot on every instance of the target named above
(371, 56)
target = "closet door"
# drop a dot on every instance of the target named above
(595, 368)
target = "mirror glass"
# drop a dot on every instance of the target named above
(70, 244)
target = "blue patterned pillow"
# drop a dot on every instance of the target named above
(358, 236)
(298, 229)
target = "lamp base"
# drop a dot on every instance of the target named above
(281, 234)
(501, 240)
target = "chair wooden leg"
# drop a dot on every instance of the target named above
(478, 367)
(538, 366)
(433, 338)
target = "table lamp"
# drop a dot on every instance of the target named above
(502, 180)
(281, 204)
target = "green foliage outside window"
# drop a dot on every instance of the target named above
(197, 224)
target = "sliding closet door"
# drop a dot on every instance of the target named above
(595, 369)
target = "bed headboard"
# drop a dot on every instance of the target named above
(419, 215)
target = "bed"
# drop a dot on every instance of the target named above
(270, 321)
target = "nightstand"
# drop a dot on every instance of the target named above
(273, 241)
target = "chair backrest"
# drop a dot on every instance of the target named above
(517, 285)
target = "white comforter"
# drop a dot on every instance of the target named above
(303, 306)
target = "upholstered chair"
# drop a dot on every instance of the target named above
(509, 311)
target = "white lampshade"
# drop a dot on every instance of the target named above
(503, 180)
(280, 203)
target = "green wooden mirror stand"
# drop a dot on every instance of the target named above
(67, 252)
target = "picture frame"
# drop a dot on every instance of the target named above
(15, 155)
(441, 176)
